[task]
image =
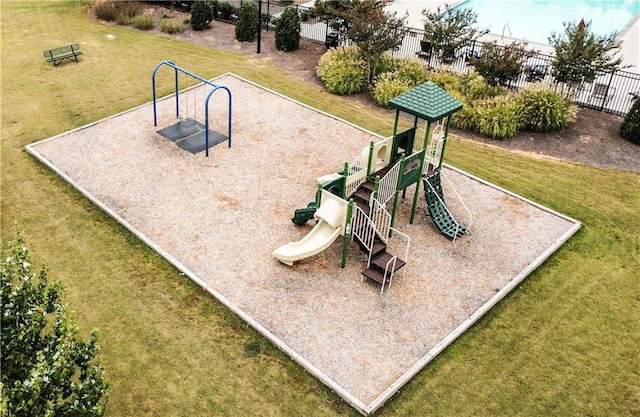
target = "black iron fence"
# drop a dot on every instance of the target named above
(612, 93)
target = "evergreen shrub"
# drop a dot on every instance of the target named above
(630, 128)
(201, 15)
(247, 24)
(288, 30)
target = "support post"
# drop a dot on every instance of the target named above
(370, 159)
(347, 234)
(259, 25)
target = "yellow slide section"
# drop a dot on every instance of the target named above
(331, 217)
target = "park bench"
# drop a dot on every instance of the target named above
(57, 55)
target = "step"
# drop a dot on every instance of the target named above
(381, 261)
(362, 205)
(369, 186)
(374, 274)
(363, 195)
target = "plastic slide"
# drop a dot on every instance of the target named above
(331, 217)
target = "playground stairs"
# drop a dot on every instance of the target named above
(442, 217)
(383, 265)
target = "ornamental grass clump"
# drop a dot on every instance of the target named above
(143, 22)
(543, 110)
(388, 86)
(496, 117)
(170, 27)
(342, 70)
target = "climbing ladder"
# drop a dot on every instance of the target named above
(371, 230)
(440, 214)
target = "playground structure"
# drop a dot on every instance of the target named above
(360, 203)
(188, 133)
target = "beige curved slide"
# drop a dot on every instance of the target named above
(331, 218)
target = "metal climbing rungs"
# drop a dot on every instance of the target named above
(436, 204)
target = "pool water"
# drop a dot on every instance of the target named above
(535, 20)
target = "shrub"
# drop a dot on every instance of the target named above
(143, 22)
(496, 117)
(227, 10)
(169, 26)
(411, 71)
(342, 70)
(444, 79)
(543, 110)
(630, 128)
(305, 15)
(47, 368)
(117, 11)
(288, 30)
(387, 63)
(247, 26)
(388, 86)
(201, 15)
(465, 118)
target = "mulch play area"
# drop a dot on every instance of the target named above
(218, 219)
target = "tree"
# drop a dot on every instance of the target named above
(500, 65)
(451, 30)
(372, 29)
(288, 30)
(46, 368)
(580, 55)
(247, 25)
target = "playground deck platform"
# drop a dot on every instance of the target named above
(218, 219)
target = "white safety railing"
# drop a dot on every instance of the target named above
(357, 173)
(364, 229)
(388, 184)
(434, 148)
(464, 206)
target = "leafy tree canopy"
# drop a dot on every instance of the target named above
(451, 29)
(500, 65)
(581, 55)
(46, 369)
(366, 23)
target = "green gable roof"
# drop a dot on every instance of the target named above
(426, 101)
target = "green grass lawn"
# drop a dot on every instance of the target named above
(566, 342)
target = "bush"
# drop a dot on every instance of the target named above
(227, 10)
(411, 71)
(288, 30)
(47, 369)
(143, 22)
(496, 117)
(542, 110)
(201, 15)
(389, 85)
(444, 79)
(117, 11)
(630, 128)
(169, 26)
(247, 25)
(342, 70)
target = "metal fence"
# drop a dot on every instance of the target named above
(612, 93)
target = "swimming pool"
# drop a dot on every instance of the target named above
(534, 20)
